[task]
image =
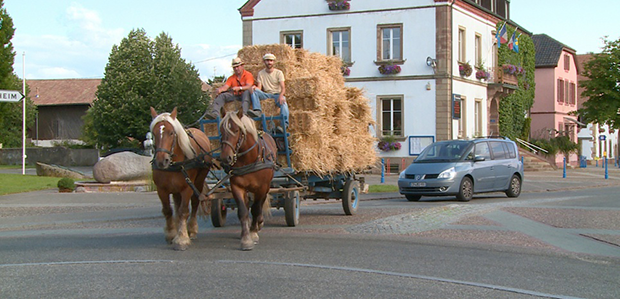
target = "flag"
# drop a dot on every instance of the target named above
(515, 47)
(512, 40)
(501, 35)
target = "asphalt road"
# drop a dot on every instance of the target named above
(552, 245)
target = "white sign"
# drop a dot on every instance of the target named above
(10, 96)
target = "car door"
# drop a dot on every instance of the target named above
(482, 171)
(501, 165)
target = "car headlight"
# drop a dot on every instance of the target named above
(448, 174)
(401, 175)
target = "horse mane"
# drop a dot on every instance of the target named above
(245, 124)
(183, 138)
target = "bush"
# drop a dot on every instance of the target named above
(66, 183)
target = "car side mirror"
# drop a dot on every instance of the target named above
(479, 158)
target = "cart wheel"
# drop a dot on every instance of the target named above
(291, 208)
(218, 213)
(350, 197)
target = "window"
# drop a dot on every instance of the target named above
(566, 92)
(478, 117)
(566, 62)
(391, 115)
(571, 99)
(462, 57)
(498, 150)
(463, 119)
(292, 38)
(390, 43)
(482, 150)
(478, 45)
(340, 43)
(560, 91)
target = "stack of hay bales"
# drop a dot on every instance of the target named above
(329, 123)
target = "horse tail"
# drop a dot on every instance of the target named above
(267, 206)
(204, 208)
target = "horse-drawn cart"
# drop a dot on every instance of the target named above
(288, 186)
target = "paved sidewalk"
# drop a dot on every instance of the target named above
(543, 181)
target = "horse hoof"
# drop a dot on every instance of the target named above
(180, 247)
(255, 237)
(193, 236)
(247, 246)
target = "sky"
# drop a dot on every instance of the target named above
(61, 39)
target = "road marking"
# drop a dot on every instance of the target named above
(554, 236)
(88, 263)
(406, 275)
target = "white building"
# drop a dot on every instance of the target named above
(427, 39)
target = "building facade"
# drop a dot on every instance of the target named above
(423, 96)
(556, 93)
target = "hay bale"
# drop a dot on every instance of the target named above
(328, 121)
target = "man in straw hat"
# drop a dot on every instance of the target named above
(237, 87)
(270, 85)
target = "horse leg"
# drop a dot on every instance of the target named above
(244, 217)
(182, 241)
(257, 216)
(170, 230)
(192, 226)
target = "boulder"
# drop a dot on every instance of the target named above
(123, 166)
(59, 171)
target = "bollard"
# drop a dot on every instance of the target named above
(564, 169)
(382, 171)
(522, 160)
(596, 162)
(606, 173)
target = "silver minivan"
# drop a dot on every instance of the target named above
(463, 168)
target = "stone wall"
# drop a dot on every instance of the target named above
(50, 155)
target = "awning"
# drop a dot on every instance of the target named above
(570, 119)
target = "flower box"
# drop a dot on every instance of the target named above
(388, 146)
(465, 69)
(482, 75)
(339, 5)
(389, 69)
(345, 70)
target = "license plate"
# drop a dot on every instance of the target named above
(421, 184)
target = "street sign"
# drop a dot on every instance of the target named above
(10, 96)
(601, 137)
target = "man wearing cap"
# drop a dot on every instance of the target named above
(270, 85)
(237, 87)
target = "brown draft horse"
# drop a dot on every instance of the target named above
(250, 159)
(177, 151)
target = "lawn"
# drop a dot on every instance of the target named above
(17, 183)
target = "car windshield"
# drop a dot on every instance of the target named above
(444, 151)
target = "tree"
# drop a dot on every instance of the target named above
(602, 87)
(11, 113)
(142, 73)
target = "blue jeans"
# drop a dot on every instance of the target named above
(259, 95)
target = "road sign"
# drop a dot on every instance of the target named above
(601, 137)
(10, 96)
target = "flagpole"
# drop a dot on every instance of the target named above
(24, 114)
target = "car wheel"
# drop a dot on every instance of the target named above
(466, 190)
(515, 186)
(411, 197)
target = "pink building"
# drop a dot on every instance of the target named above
(556, 93)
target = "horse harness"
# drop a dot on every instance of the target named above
(265, 158)
(187, 164)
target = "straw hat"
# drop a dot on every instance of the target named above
(236, 62)
(269, 56)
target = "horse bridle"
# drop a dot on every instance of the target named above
(163, 150)
(236, 148)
